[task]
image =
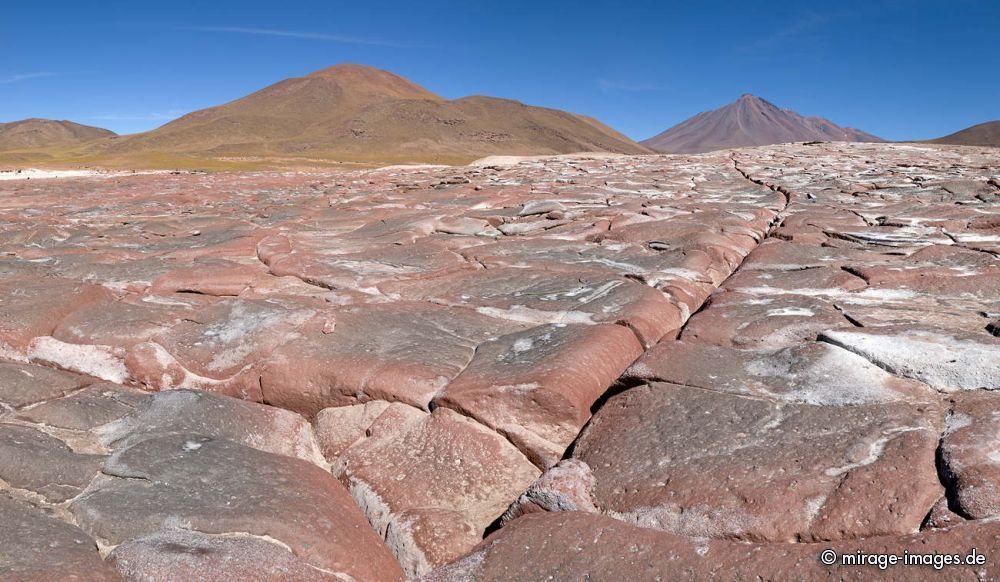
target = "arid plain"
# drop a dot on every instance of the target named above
(612, 366)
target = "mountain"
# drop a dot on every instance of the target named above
(42, 133)
(749, 121)
(359, 113)
(984, 134)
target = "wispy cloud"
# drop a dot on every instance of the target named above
(152, 116)
(799, 31)
(297, 34)
(609, 86)
(24, 77)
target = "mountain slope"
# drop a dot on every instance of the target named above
(356, 113)
(749, 121)
(42, 133)
(984, 134)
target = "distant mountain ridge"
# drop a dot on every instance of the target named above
(355, 112)
(984, 134)
(749, 121)
(42, 133)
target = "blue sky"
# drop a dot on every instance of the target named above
(901, 69)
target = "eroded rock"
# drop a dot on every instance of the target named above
(703, 463)
(947, 361)
(970, 454)
(574, 545)
(431, 483)
(216, 486)
(38, 547)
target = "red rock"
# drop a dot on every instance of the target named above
(122, 323)
(32, 307)
(219, 487)
(39, 547)
(703, 463)
(582, 546)
(34, 461)
(941, 516)
(24, 384)
(359, 289)
(262, 427)
(969, 451)
(568, 486)
(104, 362)
(430, 483)
(338, 428)
(805, 281)
(366, 354)
(211, 278)
(812, 373)
(765, 320)
(175, 554)
(367, 266)
(536, 387)
(540, 297)
(85, 409)
(220, 348)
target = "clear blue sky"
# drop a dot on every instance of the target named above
(902, 69)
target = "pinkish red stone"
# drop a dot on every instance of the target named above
(367, 353)
(179, 553)
(38, 547)
(969, 451)
(703, 463)
(219, 348)
(582, 546)
(33, 306)
(537, 386)
(430, 484)
(216, 486)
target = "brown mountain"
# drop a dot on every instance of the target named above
(42, 133)
(984, 134)
(749, 121)
(359, 113)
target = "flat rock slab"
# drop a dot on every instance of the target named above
(217, 277)
(33, 306)
(24, 384)
(34, 461)
(261, 427)
(220, 348)
(761, 318)
(970, 453)
(217, 487)
(122, 323)
(947, 361)
(703, 463)
(86, 409)
(537, 386)
(811, 373)
(34, 546)
(430, 483)
(181, 554)
(539, 297)
(582, 546)
(405, 352)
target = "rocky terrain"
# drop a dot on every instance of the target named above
(750, 121)
(609, 367)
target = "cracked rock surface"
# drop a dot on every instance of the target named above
(583, 367)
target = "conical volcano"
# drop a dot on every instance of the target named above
(749, 121)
